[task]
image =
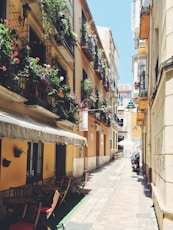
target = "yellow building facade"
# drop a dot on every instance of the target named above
(53, 146)
(156, 108)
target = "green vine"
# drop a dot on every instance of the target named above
(55, 16)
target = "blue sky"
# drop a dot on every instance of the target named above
(117, 16)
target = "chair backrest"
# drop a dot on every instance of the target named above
(54, 203)
(31, 212)
(16, 191)
(63, 194)
(86, 176)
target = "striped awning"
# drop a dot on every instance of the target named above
(18, 126)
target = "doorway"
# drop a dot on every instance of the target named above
(60, 161)
(97, 148)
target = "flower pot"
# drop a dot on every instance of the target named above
(6, 163)
(60, 93)
(17, 152)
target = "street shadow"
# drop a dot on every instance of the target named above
(72, 200)
(143, 180)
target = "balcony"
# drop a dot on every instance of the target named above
(66, 47)
(106, 84)
(117, 120)
(140, 116)
(99, 69)
(88, 46)
(139, 123)
(144, 22)
(142, 49)
(143, 104)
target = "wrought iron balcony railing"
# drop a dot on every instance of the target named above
(88, 45)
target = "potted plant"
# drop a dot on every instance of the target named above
(10, 58)
(55, 20)
(17, 151)
(87, 86)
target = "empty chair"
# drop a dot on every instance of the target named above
(80, 185)
(64, 190)
(30, 217)
(14, 210)
(47, 211)
(16, 191)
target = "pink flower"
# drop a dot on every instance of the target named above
(37, 59)
(47, 66)
(15, 53)
(13, 47)
(17, 60)
(7, 22)
(4, 68)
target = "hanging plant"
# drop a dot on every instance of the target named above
(100, 52)
(67, 108)
(100, 100)
(55, 16)
(6, 163)
(17, 151)
(87, 86)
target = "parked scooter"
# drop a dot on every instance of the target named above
(135, 162)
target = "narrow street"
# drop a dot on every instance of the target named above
(119, 200)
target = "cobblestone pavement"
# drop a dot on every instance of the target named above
(119, 200)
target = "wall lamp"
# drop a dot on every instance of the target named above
(26, 9)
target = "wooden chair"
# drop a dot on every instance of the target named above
(14, 210)
(46, 212)
(59, 183)
(30, 217)
(16, 191)
(63, 190)
(80, 185)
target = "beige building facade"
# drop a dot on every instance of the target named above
(156, 32)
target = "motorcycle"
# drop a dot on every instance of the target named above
(135, 162)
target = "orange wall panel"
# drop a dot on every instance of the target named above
(15, 174)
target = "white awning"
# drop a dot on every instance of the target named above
(126, 142)
(23, 127)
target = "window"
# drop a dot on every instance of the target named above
(34, 162)
(83, 93)
(121, 100)
(38, 48)
(113, 144)
(3, 9)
